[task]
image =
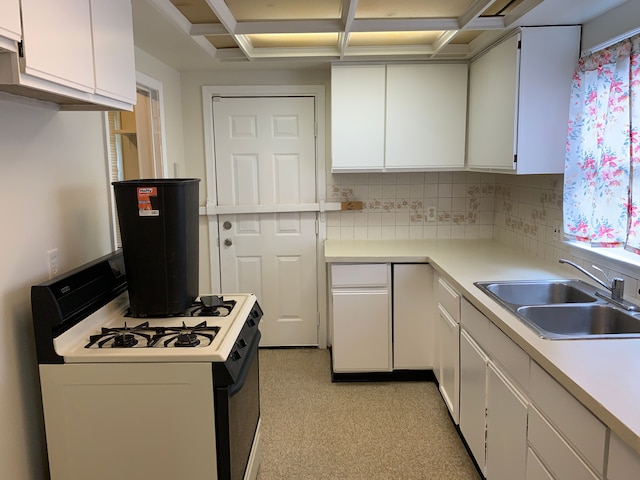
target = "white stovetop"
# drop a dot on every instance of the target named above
(71, 344)
(604, 375)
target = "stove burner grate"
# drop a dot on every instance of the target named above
(121, 337)
(184, 336)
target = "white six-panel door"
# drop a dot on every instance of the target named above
(265, 171)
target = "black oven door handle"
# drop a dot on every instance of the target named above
(246, 365)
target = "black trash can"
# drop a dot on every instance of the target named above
(159, 230)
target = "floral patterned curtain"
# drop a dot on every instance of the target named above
(602, 167)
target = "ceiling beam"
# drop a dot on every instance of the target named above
(474, 11)
(348, 16)
(515, 15)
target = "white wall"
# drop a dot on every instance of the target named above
(611, 24)
(53, 192)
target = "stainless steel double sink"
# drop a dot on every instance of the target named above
(564, 309)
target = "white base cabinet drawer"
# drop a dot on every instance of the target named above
(554, 452)
(510, 356)
(535, 468)
(362, 275)
(581, 429)
(448, 298)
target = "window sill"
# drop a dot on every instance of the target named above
(618, 258)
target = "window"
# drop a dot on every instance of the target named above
(136, 147)
(602, 171)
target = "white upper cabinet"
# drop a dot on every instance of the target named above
(357, 117)
(10, 29)
(519, 101)
(398, 117)
(57, 43)
(113, 49)
(426, 116)
(79, 56)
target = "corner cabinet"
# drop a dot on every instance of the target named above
(79, 57)
(412, 316)
(398, 117)
(519, 101)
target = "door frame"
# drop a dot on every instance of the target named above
(211, 210)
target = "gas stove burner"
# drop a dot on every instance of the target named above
(212, 306)
(124, 337)
(184, 336)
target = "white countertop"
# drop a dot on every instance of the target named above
(604, 375)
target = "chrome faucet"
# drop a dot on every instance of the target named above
(616, 286)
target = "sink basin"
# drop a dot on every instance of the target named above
(580, 321)
(542, 292)
(565, 309)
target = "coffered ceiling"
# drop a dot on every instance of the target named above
(348, 30)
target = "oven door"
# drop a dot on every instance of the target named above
(237, 411)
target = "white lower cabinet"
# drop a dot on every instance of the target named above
(535, 468)
(584, 433)
(361, 318)
(624, 462)
(448, 340)
(473, 394)
(412, 316)
(506, 428)
(449, 361)
(554, 452)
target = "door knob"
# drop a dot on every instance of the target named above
(227, 225)
(228, 242)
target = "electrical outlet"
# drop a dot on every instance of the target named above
(432, 213)
(52, 257)
(557, 230)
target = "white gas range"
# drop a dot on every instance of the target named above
(161, 398)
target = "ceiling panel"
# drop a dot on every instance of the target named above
(411, 8)
(196, 11)
(335, 30)
(294, 40)
(363, 39)
(260, 10)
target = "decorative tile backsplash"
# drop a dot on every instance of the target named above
(528, 213)
(524, 212)
(412, 205)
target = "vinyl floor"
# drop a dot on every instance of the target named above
(315, 429)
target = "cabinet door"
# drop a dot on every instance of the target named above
(449, 362)
(357, 117)
(361, 330)
(10, 28)
(412, 316)
(492, 107)
(624, 462)
(113, 49)
(506, 428)
(473, 393)
(548, 59)
(535, 468)
(58, 45)
(426, 116)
